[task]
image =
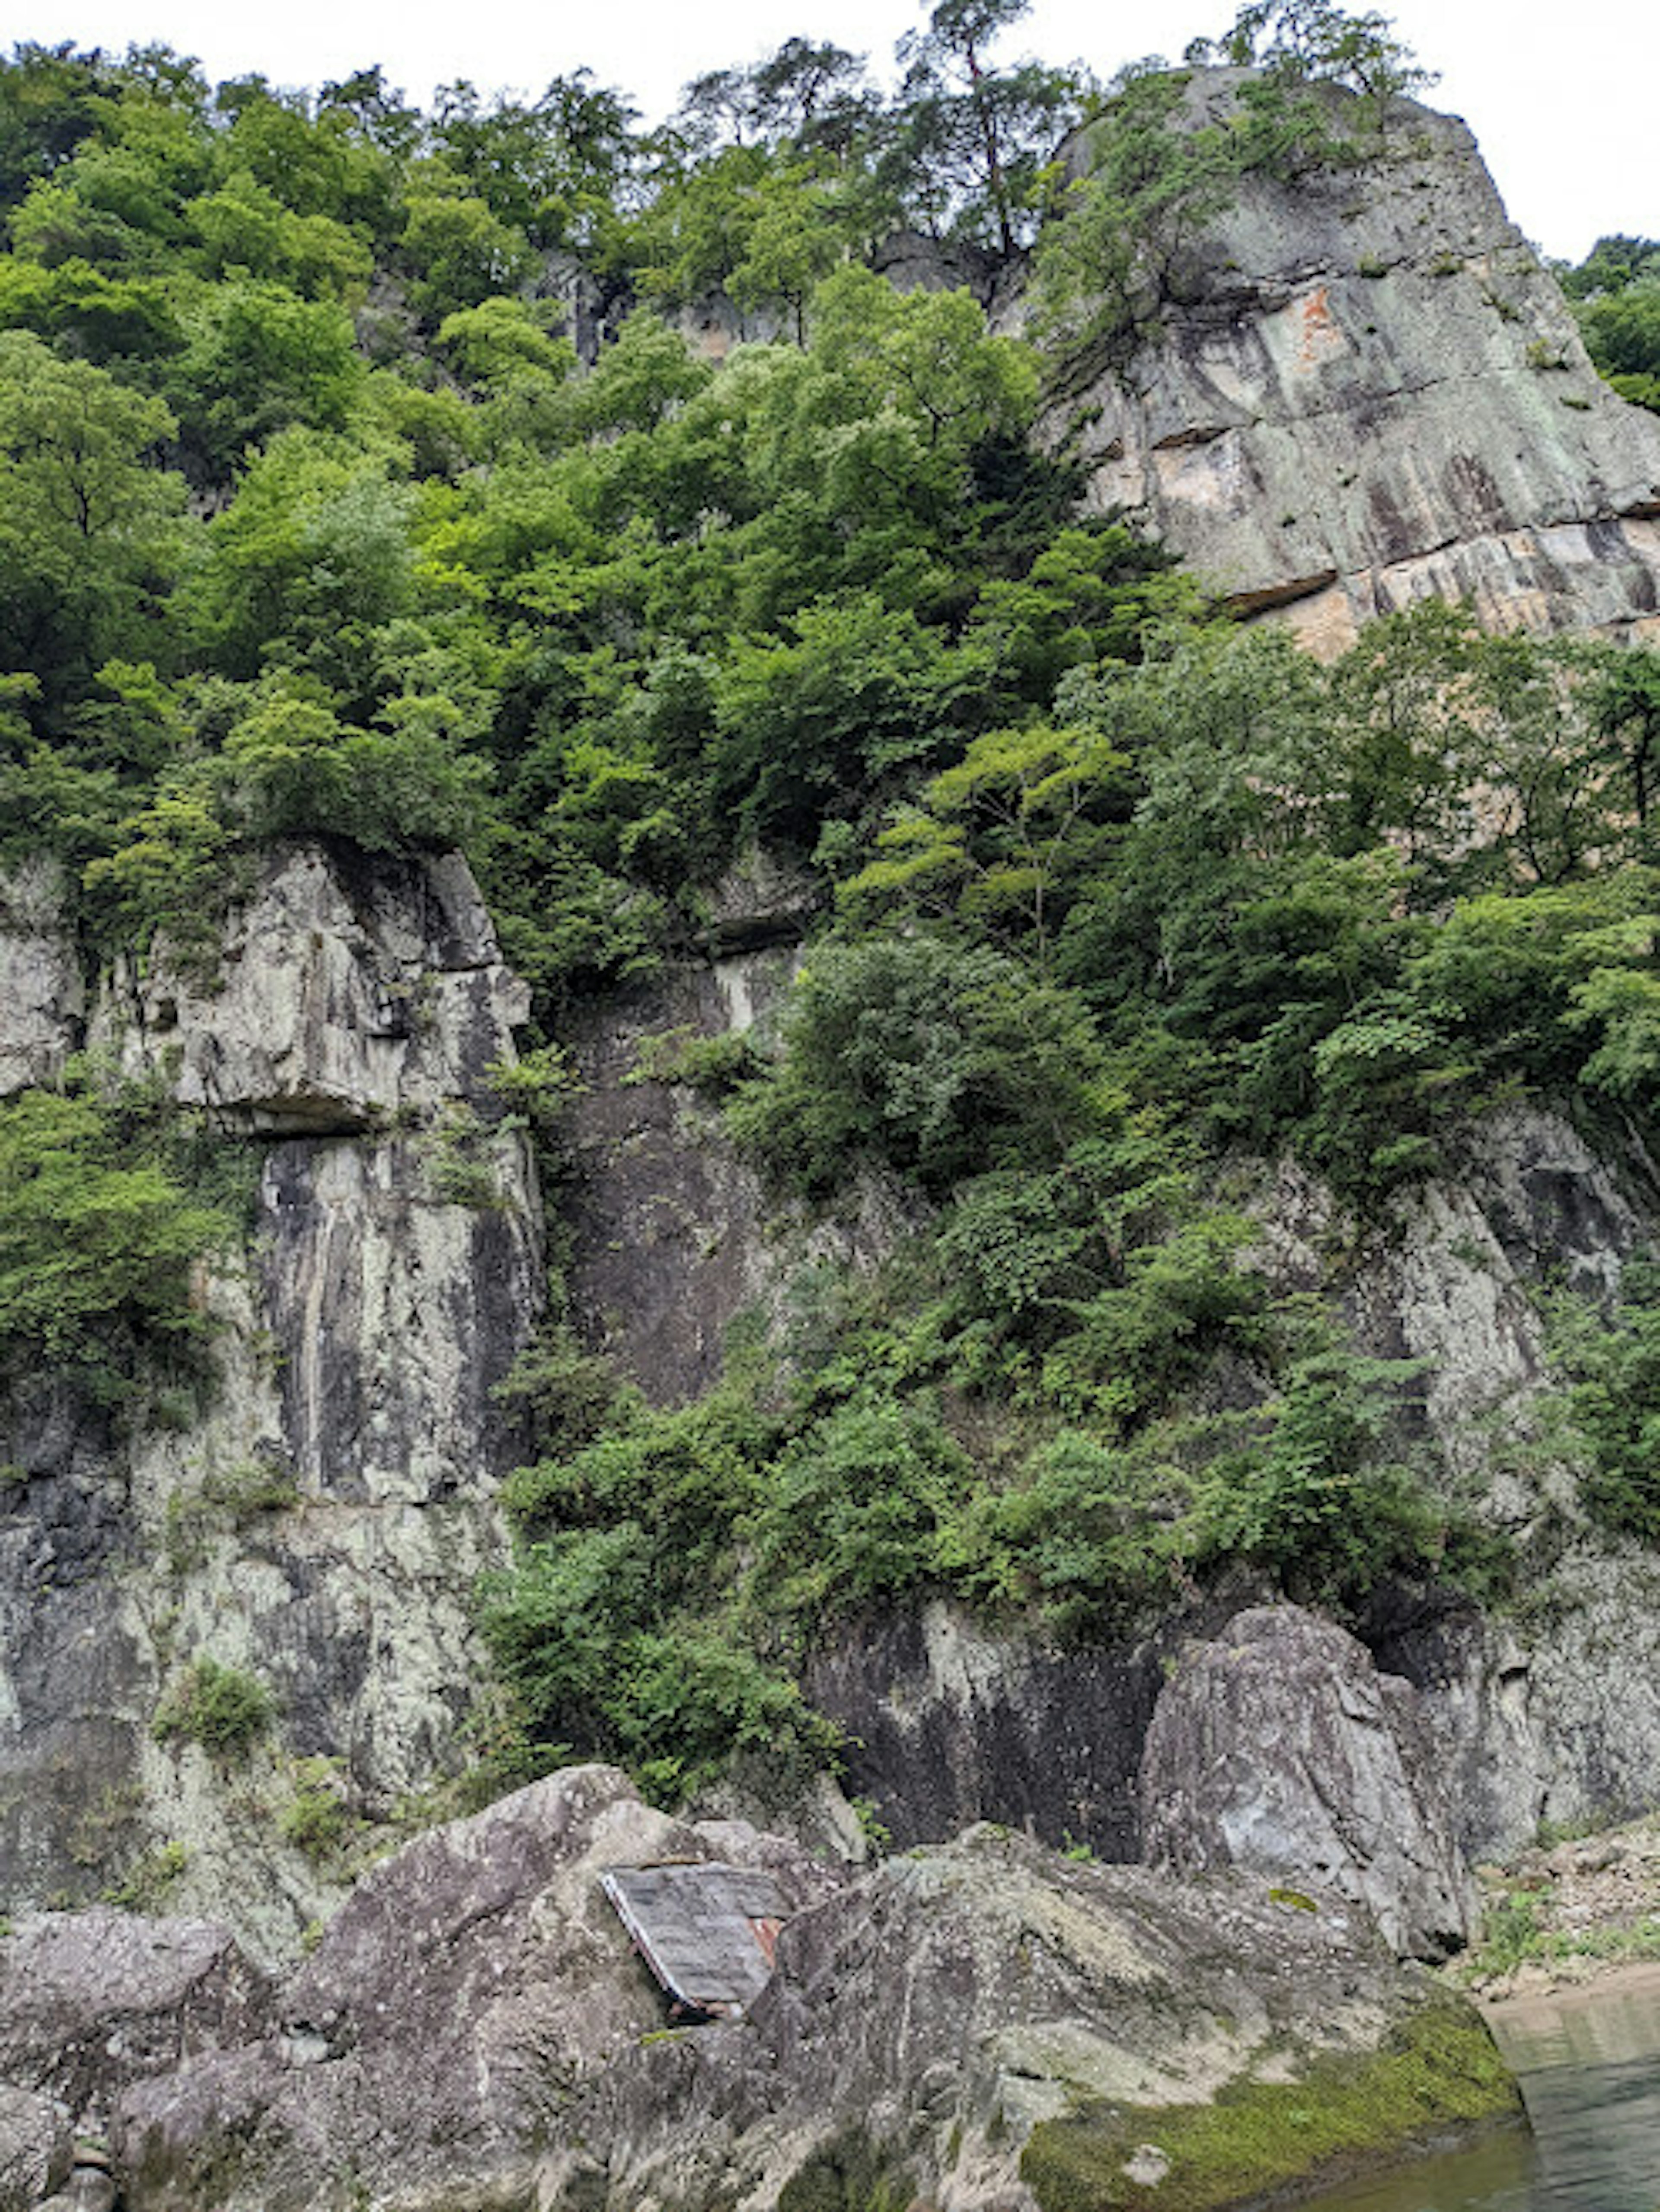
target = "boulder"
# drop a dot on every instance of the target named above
(475, 2031)
(1279, 1749)
(460, 2009)
(92, 2000)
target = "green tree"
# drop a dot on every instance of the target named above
(974, 140)
(97, 1250)
(89, 541)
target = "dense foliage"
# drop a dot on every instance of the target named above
(1616, 293)
(310, 523)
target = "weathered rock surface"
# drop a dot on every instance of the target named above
(42, 998)
(1367, 392)
(1279, 1749)
(320, 1520)
(473, 2029)
(673, 1235)
(349, 990)
(949, 1722)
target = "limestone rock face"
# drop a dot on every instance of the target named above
(1367, 392)
(1279, 1749)
(473, 2028)
(318, 1515)
(41, 996)
(949, 1722)
(349, 990)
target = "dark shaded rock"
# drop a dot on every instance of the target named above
(947, 1724)
(1279, 1748)
(668, 1225)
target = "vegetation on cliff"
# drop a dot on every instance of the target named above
(310, 524)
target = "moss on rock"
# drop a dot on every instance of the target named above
(1437, 2069)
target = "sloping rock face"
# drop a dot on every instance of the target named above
(474, 2031)
(1545, 1710)
(1368, 393)
(1280, 1749)
(949, 1722)
(318, 1519)
(1548, 1709)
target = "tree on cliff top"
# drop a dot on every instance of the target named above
(973, 141)
(1307, 39)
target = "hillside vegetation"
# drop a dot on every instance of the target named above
(310, 523)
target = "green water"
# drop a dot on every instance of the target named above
(1589, 2065)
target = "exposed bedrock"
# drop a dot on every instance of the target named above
(318, 1519)
(1366, 391)
(1543, 1708)
(349, 988)
(473, 2029)
(1279, 1749)
(42, 998)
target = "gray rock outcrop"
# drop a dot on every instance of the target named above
(1366, 391)
(42, 998)
(473, 2028)
(348, 991)
(1277, 1748)
(317, 1517)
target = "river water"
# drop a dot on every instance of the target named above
(1589, 2064)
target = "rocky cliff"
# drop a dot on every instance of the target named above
(316, 1523)
(1205, 1841)
(1363, 391)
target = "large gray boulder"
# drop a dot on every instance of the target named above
(1278, 1749)
(1362, 392)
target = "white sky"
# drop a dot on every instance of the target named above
(1565, 100)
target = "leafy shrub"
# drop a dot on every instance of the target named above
(1611, 1402)
(316, 1818)
(920, 1056)
(98, 1247)
(220, 1707)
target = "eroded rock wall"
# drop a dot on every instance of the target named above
(42, 998)
(1365, 391)
(1277, 1748)
(318, 1517)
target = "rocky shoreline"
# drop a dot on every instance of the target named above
(1562, 1916)
(985, 2026)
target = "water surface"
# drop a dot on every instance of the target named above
(1589, 2064)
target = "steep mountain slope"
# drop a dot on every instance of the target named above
(780, 1480)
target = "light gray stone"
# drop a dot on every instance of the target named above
(1365, 391)
(320, 1518)
(42, 998)
(350, 990)
(1279, 1749)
